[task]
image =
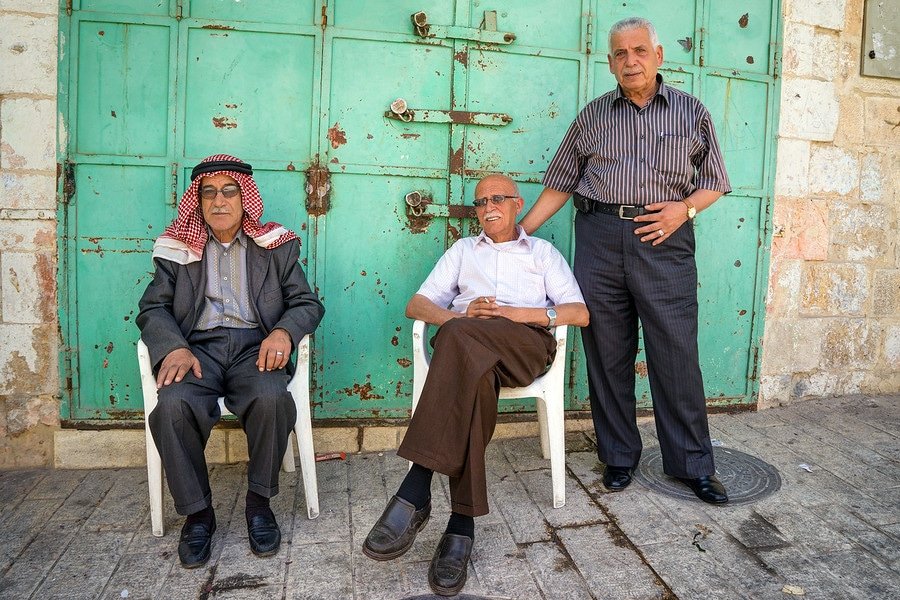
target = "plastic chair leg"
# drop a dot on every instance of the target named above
(556, 433)
(303, 433)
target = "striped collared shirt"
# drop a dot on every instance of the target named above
(619, 153)
(526, 272)
(227, 302)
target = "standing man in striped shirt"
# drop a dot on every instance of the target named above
(641, 161)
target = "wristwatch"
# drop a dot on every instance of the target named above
(692, 210)
(551, 314)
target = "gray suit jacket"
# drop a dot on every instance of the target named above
(279, 293)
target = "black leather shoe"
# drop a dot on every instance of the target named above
(195, 544)
(264, 534)
(395, 531)
(708, 488)
(616, 479)
(450, 564)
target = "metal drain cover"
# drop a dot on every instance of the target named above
(459, 597)
(746, 478)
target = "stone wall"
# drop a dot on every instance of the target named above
(833, 306)
(29, 339)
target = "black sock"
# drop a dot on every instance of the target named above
(416, 487)
(206, 516)
(256, 505)
(461, 525)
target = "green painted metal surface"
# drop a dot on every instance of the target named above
(149, 87)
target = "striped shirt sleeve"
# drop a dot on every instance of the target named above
(710, 165)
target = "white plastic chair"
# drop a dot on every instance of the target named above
(549, 389)
(299, 389)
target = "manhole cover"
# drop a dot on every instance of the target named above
(459, 597)
(746, 478)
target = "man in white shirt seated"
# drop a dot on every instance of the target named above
(495, 297)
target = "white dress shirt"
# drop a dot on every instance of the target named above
(526, 272)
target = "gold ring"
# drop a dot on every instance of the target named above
(485, 300)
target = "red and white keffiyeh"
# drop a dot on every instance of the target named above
(185, 238)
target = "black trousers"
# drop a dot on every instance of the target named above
(623, 280)
(182, 421)
(457, 412)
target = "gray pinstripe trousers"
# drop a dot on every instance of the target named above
(624, 280)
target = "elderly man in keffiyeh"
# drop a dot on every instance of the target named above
(226, 307)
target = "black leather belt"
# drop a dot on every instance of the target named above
(623, 211)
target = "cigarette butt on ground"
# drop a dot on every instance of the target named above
(331, 456)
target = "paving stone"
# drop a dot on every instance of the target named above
(620, 574)
(332, 524)
(502, 567)
(34, 562)
(116, 509)
(138, 576)
(578, 509)
(510, 502)
(556, 574)
(83, 500)
(320, 570)
(805, 571)
(15, 487)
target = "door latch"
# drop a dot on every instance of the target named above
(421, 204)
(401, 111)
(487, 33)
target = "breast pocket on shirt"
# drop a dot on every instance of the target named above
(673, 155)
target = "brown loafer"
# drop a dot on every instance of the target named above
(450, 564)
(395, 531)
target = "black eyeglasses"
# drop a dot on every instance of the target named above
(495, 199)
(210, 193)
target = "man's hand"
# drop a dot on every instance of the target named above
(274, 351)
(175, 366)
(665, 218)
(484, 307)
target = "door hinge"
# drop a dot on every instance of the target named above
(701, 47)
(174, 202)
(589, 35)
(68, 191)
(324, 14)
(179, 9)
(318, 190)
(69, 7)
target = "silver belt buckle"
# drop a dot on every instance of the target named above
(622, 208)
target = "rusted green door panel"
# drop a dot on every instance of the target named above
(249, 92)
(358, 136)
(137, 7)
(674, 21)
(123, 76)
(739, 108)
(545, 100)
(536, 25)
(741, 37)
(253, 11)
(390, 16)
(370, 264)
(728, 240)
(115, 225)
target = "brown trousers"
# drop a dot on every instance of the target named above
(457, 412)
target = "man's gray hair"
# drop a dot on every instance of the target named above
(633, 23)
